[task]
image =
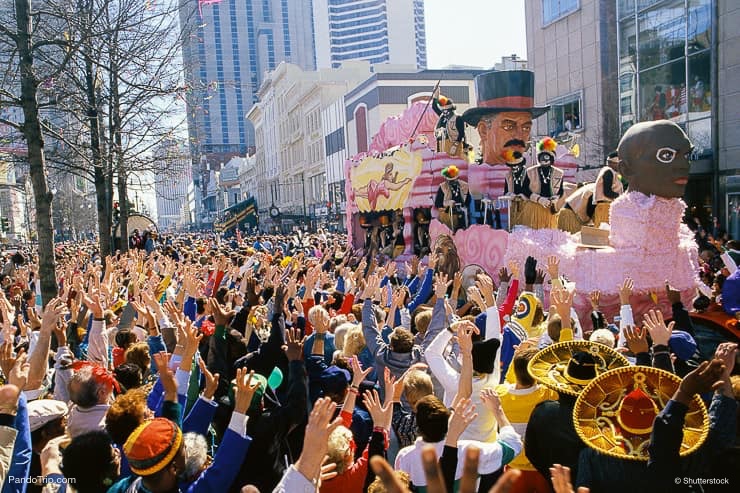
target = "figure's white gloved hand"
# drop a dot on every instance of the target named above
(544, 201)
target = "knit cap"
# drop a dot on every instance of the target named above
(152, 446)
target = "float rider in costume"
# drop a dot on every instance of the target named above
(608, 187)
(453, 199)
(503, 117)
(545, 186)
(578, 210)
(450, 129)
(514, 188)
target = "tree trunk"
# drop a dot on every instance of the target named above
(35, 142)
(122, 197)
(104, 218)
(93, 117)
(117, 143)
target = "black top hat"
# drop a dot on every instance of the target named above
(504, 90)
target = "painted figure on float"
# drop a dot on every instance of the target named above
(503, 118)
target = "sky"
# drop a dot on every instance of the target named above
(474, 32)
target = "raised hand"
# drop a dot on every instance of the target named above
(530, 270)
(655, 324)
(294, 345)
(55, 309)
(553, 266)
(705, 378)
(92, 302)
(465, 330)
(371, 287)
(316, 438)
(253, 297)
(594, 297)
(191, 343)
(636, 339)
(221, 316)
(457, 282)
(7, 360)
(485, 286)
(166, 376)
(211, 380)
(503, 275)
(244, 390)
(562, 301)
(625, 290)
(462, 415)
(493, 401)
(358, 374)
(381, 414)
(440, 285)
(33, 318)
(474, 295)
(727, 353)
(281, 296)
(673, 295)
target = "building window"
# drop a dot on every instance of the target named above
(663, 92)
(553, 10)
(662, 34)
(361, 128)
(564, 115)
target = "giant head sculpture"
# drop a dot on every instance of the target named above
(654, 158)
(504, 113)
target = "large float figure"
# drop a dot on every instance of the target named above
(646, 242)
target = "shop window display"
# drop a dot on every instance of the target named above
(700, 95)
(663, 93)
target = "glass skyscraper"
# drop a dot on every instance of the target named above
(229, 45)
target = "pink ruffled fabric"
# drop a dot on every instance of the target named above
(649, 245)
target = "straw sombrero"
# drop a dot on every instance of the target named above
(567, 367)
(614, 414)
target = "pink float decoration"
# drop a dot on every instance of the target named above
(478, 244)
(649, 243)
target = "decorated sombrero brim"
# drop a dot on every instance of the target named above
(550, 366)
(606, 423)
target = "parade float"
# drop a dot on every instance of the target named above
(390, 210)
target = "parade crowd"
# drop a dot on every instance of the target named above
(295, 364)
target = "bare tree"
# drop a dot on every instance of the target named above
(34, 49)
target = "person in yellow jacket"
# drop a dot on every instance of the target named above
(518, 401)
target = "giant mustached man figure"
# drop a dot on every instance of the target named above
(503, 115)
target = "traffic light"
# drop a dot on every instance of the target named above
(5, 224)
(116, 213)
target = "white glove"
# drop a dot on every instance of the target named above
(449, 203)
(544, 202)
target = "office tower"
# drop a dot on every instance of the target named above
(379, 31)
